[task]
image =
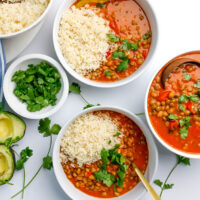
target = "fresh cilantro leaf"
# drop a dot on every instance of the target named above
(181, 107)
(107, 73)
(146, 36)
(197, 85)
(194, 98)
(118, 54)
(121, 174)
(117, 134)
(44, 127)
(172, 117)
(75, 88)
(187, 76)
(183, 160)
(158, 182)
(185, 121)
(88, 106)
(183, 98)
(168, 186)
(198, 93)
(123, 65)
(55, 129)
(101, 5)
(107, 178)
(113, 38)
(126, 45)
(24, 155)
(47, 162)
(109, 142)
(184, 132)
(8, 142)
(104, 158)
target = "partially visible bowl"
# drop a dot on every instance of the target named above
(169, 145)
(39, 21)
(153, 22)
(138, 191)
(13, 101)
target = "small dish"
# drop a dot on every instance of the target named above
(152, 18)
(136, 192)
(16, 104)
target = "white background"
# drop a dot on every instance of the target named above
(179, 31)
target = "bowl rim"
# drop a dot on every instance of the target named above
(133, 117)
(64, 78)
(35, 23)
(119, 83)
(156, 135)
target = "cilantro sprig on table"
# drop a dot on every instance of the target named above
(47, 131)
(164, 185)
(76, 89)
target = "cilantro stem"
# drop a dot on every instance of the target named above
(9, 183)
(84, 99)
(35, 173)
(138, 114)
(24, 182)
(162, 188)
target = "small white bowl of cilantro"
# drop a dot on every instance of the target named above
(35, 86)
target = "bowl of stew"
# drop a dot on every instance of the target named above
(94, 152)
(105, 44)
(172, 111)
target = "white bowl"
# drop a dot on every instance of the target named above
(166, 145)
(16, 104)
(136, 192)
(36, 23)
(151, 16)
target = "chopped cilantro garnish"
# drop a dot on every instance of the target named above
(101, 5)
(37, 86)
(184, 132)
(187, 76)
(194, 98)
(181, 107)
(126, 45)
(123, 65)
(197, 84)
(183, 98)
(172, 117)
(113, 38)
(107, 73)
(118, 54)
(146, 36)
(117, 134)
(185, 121)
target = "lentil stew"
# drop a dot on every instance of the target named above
(131, 40)
(123, 178)
(175, 111)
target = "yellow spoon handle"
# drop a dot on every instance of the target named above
(147, 185)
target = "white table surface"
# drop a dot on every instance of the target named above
(179, 31)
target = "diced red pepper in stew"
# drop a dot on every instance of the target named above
(173, 124)
(144, 53)
(190, 107)
(87, 174)
(108, 53)
(163, 96)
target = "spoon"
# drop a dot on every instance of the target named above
(147, 185)
(173, 65)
